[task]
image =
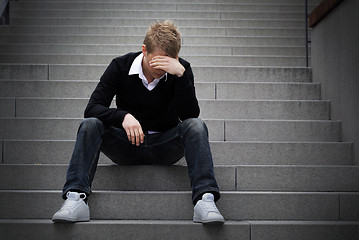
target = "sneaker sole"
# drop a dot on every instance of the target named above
(68, 220)
(214, 222)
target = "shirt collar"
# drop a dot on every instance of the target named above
(136, 68)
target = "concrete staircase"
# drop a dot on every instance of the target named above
(279, 160)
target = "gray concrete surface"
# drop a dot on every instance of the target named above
(335, 57)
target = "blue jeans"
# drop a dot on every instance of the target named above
(189, 139)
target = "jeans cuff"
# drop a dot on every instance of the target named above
(86, 190)
(213, 190)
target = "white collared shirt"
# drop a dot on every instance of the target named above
(136, 68)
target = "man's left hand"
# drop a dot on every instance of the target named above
(168, 64)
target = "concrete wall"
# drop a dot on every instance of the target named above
(335, 63)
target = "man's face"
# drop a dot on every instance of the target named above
(147, 57)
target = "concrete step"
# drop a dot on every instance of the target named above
(297, 2)
(224, 153)
(65, 129)
(272, 91)
(111, 177)
(137, 30)
(128, 30)
(284, 61)
(121, 49)
(220, 91)
(7, 107)
(118, 39)
(112, 205)
(294, 230)
(116, 13)
(311, 2)
(271, 23)
(175, 178)
(202, 74)
(289, 131)
(297, 178)
(163, 6)
(127, 229)
(210, 109)
(184, 229)
(178, 14)
(257, 109)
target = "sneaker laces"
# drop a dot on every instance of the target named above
(72, 203)
(209, 206)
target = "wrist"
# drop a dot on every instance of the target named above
(180, 71)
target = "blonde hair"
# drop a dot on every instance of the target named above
(163, 35)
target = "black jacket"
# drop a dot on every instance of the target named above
(162, 108)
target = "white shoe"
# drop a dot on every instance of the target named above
(206, 211)
(74, 209)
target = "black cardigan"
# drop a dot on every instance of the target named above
(162, 108)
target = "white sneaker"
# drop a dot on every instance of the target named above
(206, 211)
(74, 209)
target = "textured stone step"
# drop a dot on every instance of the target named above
(210, 109)
(126, 229)
(257, 109)
(310, 2)
(291, 131)
(7, 107)
(281, 23)
(185, 229)
(221, 91)
(235, 130)
(224, 153)
(66, 129)
(110, 5)
(81, 89)
(121, 49)
(298, 178)
(229, 60)
(118, 39)
(117, 49)
(111, 177)
(272, 91)
(24, 71)
(294, 230)
(175, 178)
(117, 13)
(297, 2)
(138, 30)
(132, 30)
(284, 61)
(95, 13)
(202, 74)
(112, 205)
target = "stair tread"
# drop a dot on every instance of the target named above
(169, 178)
(179, 229)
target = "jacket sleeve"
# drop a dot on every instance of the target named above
(100, 100)
(186, 102)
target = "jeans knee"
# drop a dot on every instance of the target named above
(195, 125)
(90, 124)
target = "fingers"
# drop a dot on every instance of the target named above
(159, 63)
(138, 137)
(135, 136)
(167, 64)
(133, 130)
(161, 60)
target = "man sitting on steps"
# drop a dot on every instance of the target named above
(156, 122)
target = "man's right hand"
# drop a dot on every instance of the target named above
(133, 129)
